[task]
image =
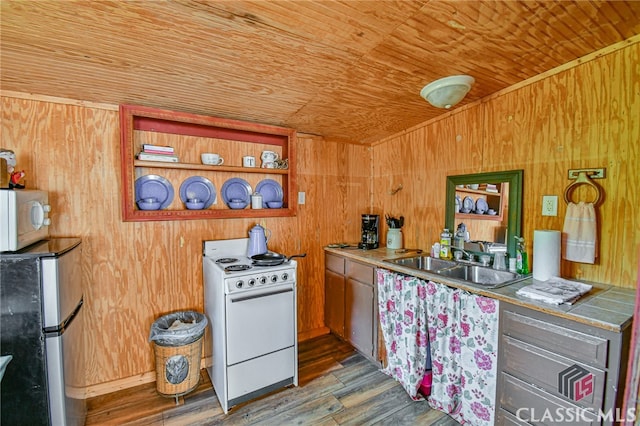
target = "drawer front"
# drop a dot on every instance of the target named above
(526, 404)
(561, 340)
(505, 418)
(542, 368)
(334, 263)
(360, 272)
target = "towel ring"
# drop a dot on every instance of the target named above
(583, 178)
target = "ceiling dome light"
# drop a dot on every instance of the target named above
(447, 91)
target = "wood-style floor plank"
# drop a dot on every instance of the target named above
(337, 386)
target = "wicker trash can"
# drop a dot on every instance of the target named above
(177, 339)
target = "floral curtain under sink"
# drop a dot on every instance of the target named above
(463, 333)
(462, 330)
(403, 321)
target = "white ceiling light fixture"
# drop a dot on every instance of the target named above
(447, 91)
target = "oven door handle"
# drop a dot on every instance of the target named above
(256, 296)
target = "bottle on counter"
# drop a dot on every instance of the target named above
(522, 261)
(445, 244)
(461, 236)
(435, 250)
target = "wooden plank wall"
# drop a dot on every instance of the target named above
(586, 116)
(135, 272)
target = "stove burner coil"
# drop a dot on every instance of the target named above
(226, 260)
(237, 268)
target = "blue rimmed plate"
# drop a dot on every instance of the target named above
(236, 189)
(154, 186)
(198, 187)
(468, 205)
(458, 203)
(481, 206)
(270, 191)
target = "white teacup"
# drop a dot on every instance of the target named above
(269, 156)
(211, 159)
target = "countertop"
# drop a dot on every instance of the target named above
(605, 306)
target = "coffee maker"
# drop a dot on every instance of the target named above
(369, 239)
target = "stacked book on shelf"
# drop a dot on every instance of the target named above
(157, 153)
(489, 187)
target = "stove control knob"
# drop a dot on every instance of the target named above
(262, 280)
(284, 276)
(239, 284)
(251, 282)
(274, 278)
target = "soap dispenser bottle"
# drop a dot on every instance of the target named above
(445, 244)
(522, 263)
(461, 236)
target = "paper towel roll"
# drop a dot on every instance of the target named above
(546, 254)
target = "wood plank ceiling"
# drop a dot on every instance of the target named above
(347, 70)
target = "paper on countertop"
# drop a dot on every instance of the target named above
(555, 290)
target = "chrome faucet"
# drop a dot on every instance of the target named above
(470, 256)
(491, 247)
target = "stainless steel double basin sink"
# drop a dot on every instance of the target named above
(478, 275)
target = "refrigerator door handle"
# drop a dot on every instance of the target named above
(57, 330)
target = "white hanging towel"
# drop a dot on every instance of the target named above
(579, 240)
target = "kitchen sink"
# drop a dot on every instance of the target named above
(482, 275)
(473, 274)
(426, 263)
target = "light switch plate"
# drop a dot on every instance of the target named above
(301, 197)
(549, 205)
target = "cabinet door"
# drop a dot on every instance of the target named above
(334, 302)
(359, 312)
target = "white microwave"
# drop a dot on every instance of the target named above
(23, 218)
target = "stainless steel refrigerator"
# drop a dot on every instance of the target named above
(41, 327)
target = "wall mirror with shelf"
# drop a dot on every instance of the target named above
(490, 206)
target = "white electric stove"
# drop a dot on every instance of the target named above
(252, 310)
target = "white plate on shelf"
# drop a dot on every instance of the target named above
(468, 205)
(154, 186)
(198, 187)
(236, 189)
(270, 191)
(481, 206)
(458, 203)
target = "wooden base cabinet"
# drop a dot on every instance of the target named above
(351, 308)
(552, 370)
(334, 294)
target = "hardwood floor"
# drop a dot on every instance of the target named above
(337, 386)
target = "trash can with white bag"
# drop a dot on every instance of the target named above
(177, 339)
